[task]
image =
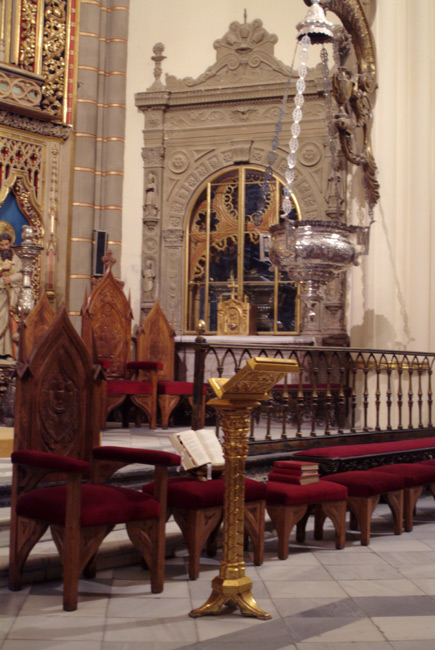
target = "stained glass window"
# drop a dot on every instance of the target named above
(227, 251)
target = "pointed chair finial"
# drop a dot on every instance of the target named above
(108, 260)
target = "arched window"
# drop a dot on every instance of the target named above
(225, 249)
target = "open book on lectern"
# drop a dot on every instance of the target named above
(198, 448)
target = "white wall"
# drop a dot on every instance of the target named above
(391, 301)
(392, 296)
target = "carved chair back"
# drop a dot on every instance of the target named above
(106, 325)
(54, 402)
(155, 342)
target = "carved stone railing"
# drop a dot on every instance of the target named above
(338, 392)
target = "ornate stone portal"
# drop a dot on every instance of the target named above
(227, 117)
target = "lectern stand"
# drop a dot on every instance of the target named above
(235, 398)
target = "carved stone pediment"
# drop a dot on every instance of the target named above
(244, 55)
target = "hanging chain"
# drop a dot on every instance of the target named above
(268, 174)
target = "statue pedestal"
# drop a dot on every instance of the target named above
(236, 397)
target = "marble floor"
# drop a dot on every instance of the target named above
(380, 597)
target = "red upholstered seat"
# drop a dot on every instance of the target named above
(291, 494)
(128, 387)
(367, 449)
(364, 491)
(144, 365)
(412, 473)
(101, 505)
(367, 483)
(197, 507)
(415, 476)
(289, 504)
(175, 388)
(431, 461)
(192, 494)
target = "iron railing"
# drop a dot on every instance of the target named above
(337, 391)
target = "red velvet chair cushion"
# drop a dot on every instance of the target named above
(128, 387)
(412, 473)
(431, 462)
(101, 504)
(145, 365)
(344, 451)
(195, 495)
(367, 483)
(287, 494)
(176, 388)
(52, 462)
(131, 455)
(104, 363)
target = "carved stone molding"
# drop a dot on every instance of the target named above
(153, 156)
(173, 237)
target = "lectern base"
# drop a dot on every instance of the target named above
(231, 593)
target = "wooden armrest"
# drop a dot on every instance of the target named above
(52, 462)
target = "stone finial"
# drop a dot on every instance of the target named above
(158, 57)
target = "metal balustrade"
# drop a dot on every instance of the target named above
(337, 391)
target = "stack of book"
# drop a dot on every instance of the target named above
(294, 471)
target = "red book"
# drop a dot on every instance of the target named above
(286, 478)
(296, 465)
(294, 473)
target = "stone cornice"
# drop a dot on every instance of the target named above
(219, 96)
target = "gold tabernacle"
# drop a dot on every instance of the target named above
(236, 397)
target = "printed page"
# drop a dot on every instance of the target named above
(190, 449)
(212, 446)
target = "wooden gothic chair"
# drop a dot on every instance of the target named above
(155, 342)
(56, 430)
(106, 331)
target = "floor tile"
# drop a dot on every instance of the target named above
(353, 645)
(356, 588)
(69, 627)
(414, 628)
(175, 632)
(304, 589)
(332, 630)
(397, 605)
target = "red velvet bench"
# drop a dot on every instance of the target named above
(415, 476)
(197, 507)
(289, 504)
(340, 458)
(365, 489)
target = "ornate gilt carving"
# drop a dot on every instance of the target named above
(60, 131)
(53, 58)
(28, 24)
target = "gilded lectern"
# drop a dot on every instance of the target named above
(235, 398)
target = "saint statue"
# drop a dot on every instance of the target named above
(10, 282)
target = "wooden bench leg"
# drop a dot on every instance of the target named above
(410, 498)
(254, 527)
(196, 527)
(395, 501)
(362, 508)
(283, 519)
(336, 512)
